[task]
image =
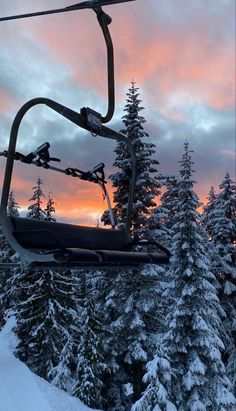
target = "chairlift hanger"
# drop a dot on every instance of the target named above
(59, 245)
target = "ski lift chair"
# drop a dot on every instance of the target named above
(59, 245)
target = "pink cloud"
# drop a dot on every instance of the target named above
(5, 101)
(157, 54)
(228, 153)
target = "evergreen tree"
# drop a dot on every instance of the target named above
(36, 211)
(62, 375)
(126, 303)
(50, 209)
(90, 361)
(194, 320)
(158, 377)
(5, 257)
(221, 225)
(231, 363)
(161, 220)
(207, 210)
(132, 307)
(222, 231)
(47, 325)
(9, 276)
(107, 286)
(7, 254)
(13, 206)
(147, 186)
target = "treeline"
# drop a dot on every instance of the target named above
(154, 338)
(36, 210)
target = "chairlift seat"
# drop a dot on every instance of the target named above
(47, 235)
(45, 243)
(72, 245)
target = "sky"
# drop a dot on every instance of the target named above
(180, 53)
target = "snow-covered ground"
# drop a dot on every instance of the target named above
(20, 389)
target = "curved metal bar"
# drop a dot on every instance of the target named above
(77, 119)
(104, 20)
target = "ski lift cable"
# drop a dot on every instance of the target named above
(92, 4)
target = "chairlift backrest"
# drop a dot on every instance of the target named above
(47, 235)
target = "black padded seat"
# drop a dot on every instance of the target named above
(71, 245)
(47, 235)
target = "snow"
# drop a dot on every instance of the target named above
(20, 389)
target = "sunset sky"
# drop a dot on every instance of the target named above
(181, 53)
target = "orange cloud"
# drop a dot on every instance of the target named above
(165, 59)
(76, 201)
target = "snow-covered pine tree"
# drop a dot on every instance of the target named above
(91, 365)
(194, 320)
(161, 220)
(9, 276)
(132, 307)
(130, 313)
(5, 274)
(50, 209)
(106, 286)
(221, 225)
(12, 210)
(207, 210)
(158, 377)
(222, 231)
(36, 211)
(160, 230)
(147, 185)
(13, 206)
(62, 375)
(47, 325)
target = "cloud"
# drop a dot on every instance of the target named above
(214, 147)
(228, 153)
(167, 49)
